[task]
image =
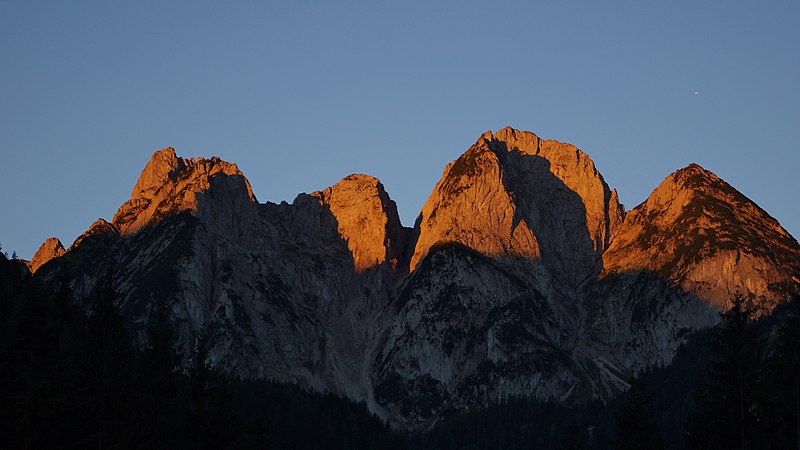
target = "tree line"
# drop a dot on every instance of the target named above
(72, 378)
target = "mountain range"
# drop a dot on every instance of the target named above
(523, 275)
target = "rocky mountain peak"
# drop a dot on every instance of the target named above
(687, 182)
(514, 194)
(522, 141)
(51, 248)
(699, 232)
(170, 184)
(162, 165)
(99, 229)
(472, 206)
(576, 170)
(694, 167)
(367, 220)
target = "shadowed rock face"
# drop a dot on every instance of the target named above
(577, 171)
(523, 275)
(468, 332)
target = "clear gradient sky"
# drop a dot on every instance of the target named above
(300, 94)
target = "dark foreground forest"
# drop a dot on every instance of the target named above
(71, 377)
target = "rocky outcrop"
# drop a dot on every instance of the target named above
(51, 248)
(163, 165)
(169, 185)
(704, 236)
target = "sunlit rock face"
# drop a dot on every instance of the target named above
(285, 291)
(513, 195)
(367, 220)
(209, 188)
(51, 248)
(701, 234)
(523, 275)
(678, 259)
(508, 242)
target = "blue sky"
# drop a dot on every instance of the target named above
(301, 94)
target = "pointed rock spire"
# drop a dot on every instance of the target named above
(163, 164)
(51, 248)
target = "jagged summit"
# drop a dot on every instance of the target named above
(694, 167)
(51, 248)
(169, 184)
(165, 165)
(367, 219)
(524, 141)
(162, 165)
(359, 178)
(578, 172)
(695, 177)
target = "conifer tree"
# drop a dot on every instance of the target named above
(108, 365)
(729, 406)
(573, 438)
(635, 426)
(158, 380)
(69, 402)
(210, 422)
(783, 411)
(25, 350)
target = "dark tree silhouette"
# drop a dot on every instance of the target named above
(634, 423)
(109, 365)
(573, 438)
(76, 380)
(783, 380)
(209, 419)
(159, 381)
(729, 405)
